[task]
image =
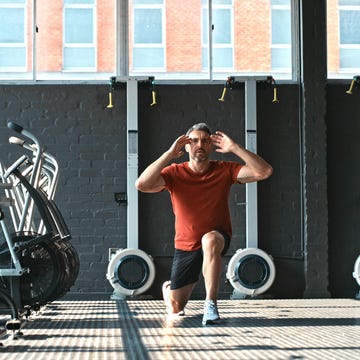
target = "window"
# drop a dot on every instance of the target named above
(349, 20)
(84, 39)
(72, 40)
(222, 35)
(173, 39)
(13, 40)
(79, 35)
(148, 40)
(343, 28)
(280, 36)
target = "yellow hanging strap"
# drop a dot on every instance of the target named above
(153, 93)
(111, 105)
(275, 97)
(355, 81)
(227, 85)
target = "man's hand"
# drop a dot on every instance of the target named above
(150, 179)
(255, 167)
(177, 148)
(223, 143)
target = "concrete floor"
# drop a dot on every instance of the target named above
(137, 329)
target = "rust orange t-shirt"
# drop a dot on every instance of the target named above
(200, 201)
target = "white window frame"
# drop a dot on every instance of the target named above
(217, 71)
(161, 45)
(92, 45)
(24, 44)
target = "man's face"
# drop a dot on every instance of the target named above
(200, 147)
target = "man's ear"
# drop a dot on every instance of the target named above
(187, 147)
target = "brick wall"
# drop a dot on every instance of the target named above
(90, 143)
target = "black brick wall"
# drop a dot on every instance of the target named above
(343, 187)
(89, 142)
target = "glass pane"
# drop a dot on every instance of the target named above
(280, 58)
(222, 2)
(349, 2)
(205, 26)
(349, 58)
(222, 26)
(205, 58)
(147, 26)
(12, 57)
(280, 25)
(222, 58)
(12, 25)
(148, 58)
(79, 58)
(349, 27)
(79, 26)
(280, 2)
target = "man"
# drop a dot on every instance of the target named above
(199, 191)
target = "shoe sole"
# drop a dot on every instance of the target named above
(211, 322)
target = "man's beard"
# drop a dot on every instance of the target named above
(200, 156)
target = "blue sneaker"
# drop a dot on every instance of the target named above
(211, 314)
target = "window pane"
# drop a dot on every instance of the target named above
(147, 26)
(12, 1)
(349, 27)
(279, 2)
(280, 25)
(349, 2)
(349, 58)
(205, 58)
(222, 2)
(222, 26)
(12, 57)
(79, 58)
(281, 58)
(12, 25)
(222, 58)
(148, 58)
(79, 26)
(205, 26)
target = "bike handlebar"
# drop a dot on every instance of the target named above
(11, 125)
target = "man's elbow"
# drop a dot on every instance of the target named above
(139, 185)
(267, 172)
(143, 186)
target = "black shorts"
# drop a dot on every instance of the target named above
(186, 266)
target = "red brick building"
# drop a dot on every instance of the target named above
(167, 38)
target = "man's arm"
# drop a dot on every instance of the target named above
(255, 168)
(151, 180)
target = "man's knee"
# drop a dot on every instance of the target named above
(213, 242)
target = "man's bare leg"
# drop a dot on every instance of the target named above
(175, 300)
(213, 244)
